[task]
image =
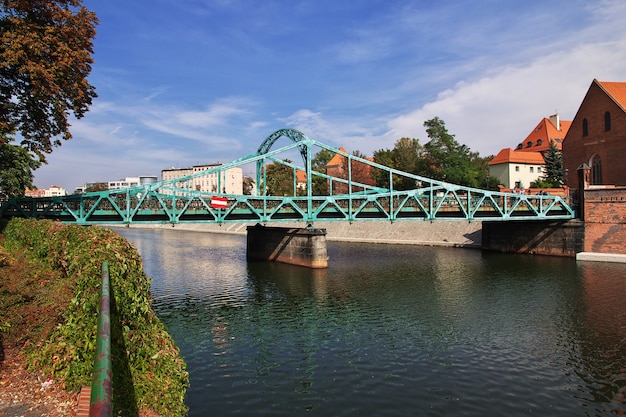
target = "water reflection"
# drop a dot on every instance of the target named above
(602, 337)
(390, 330)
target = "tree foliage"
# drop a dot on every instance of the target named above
(442, 158)
(407, 156)
(449, 160)
(318, 164)
(279, 179)
(16, 170)
(45, 59)
(553, 173)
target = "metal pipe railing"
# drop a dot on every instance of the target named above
(102, 383)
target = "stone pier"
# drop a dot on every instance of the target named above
(296, 246)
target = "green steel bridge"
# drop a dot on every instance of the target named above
(350, 198)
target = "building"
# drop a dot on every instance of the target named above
(520, 167)
(229, 181)
(132, 182)
(338, 167)
(597, 137)
(53, 191)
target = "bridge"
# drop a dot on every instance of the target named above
(350, 198)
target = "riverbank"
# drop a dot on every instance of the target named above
(48, 320)
(21, 392)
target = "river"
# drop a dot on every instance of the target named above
(389, 330)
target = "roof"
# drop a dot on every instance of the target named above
(300, 176)
(338, 158)
(615, 90)
(508, 155)
(545, 131)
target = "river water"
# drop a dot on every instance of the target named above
(389, 330)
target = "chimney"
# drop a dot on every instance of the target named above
(556, 121)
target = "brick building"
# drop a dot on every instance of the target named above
(338, 167)
(597, 136)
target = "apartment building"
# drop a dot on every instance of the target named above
(228, 181)
(53, 191)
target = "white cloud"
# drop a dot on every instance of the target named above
(500, 109)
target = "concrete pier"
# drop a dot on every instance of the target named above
(296, 246)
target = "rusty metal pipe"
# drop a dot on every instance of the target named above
(100, 404)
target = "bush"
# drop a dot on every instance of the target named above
(148, 371)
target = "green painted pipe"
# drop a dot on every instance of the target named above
(100, 404)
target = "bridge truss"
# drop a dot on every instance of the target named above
(352, 196)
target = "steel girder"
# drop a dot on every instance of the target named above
(171, 202)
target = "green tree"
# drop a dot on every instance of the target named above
(553, 173)
(383, 157)
(407, 155)
(279, 179)
(450, 161)
(45, 59)
(318, 164)
(248, 185)
(16, 170)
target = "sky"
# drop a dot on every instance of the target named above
(191, 82)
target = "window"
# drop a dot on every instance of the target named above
(585, 127)
(596, 170)
(539, 142)
(516, 168)
(529, 145)
(532, 169)
(607, 121)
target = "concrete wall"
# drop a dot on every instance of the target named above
(304, 247)
(535, 237)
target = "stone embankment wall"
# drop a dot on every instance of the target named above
(438, 233)
(556, 238)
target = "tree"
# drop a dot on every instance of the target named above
(45, 59)
(407, 155)
(248, 185)
(554, 165)
(279, 179)
(318, 164)
(16, 170)
(449, 160)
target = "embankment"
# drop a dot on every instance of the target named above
(149, 375)
(438, 233)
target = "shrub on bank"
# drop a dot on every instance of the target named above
(148, 372)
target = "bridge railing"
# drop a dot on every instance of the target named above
(351, 196)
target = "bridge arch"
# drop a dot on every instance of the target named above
(295, 135)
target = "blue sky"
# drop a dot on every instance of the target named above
(186, 82)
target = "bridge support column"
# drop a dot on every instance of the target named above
(304, 247)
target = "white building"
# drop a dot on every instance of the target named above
(53, 191)
(132, 182)
(229, 181)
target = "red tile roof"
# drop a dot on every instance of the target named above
(539, 139)
(508, 155)
(337, 159)
(615, 90)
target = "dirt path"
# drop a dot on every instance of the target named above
(21, 392)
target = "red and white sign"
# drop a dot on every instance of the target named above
(219, 202)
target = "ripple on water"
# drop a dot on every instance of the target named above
(391, 331)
